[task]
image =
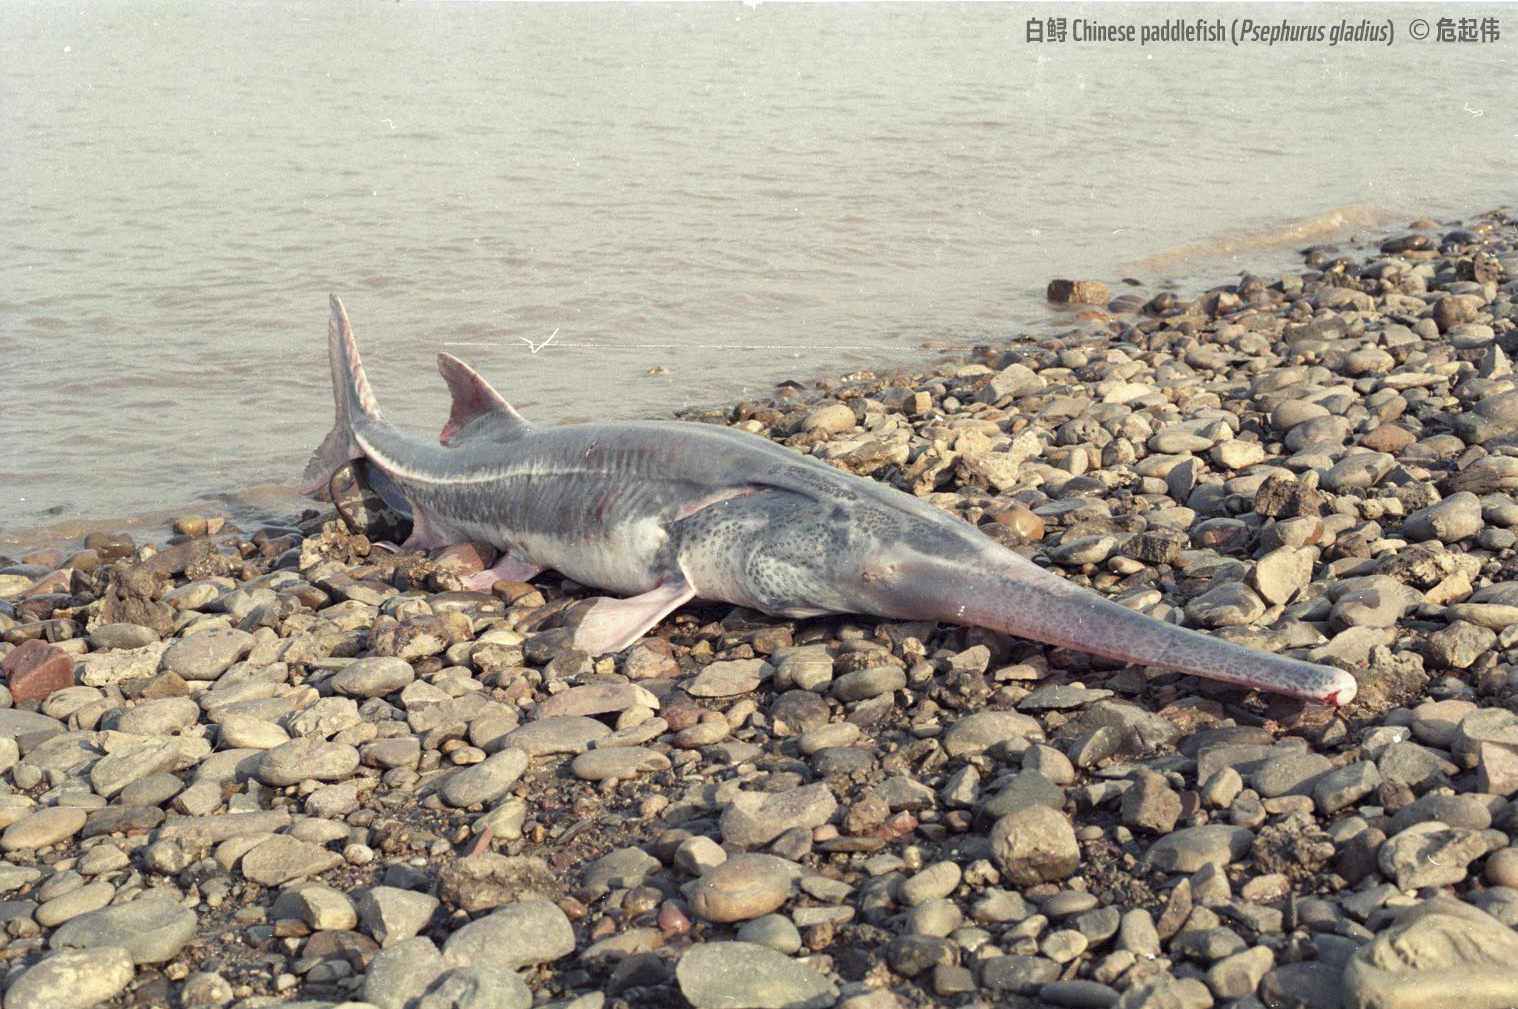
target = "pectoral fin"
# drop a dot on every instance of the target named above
(613, 624)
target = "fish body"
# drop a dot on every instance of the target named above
(661, 512)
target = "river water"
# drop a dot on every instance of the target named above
(618, 210)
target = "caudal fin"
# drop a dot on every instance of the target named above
(354, 399)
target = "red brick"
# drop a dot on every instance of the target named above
(35, 669)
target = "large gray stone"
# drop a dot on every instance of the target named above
(1438, 953)
(76, 979)
(1034, 845)
(150, 929)
(486, 781)
(402, 972)
(746, 975)
(518, 935)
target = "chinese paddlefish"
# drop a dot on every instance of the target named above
(662, 512)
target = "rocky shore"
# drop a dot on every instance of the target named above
(282, 766)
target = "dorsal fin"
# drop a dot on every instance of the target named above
(473, 398)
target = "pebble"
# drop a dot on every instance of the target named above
(556, 734)
(773, 930)
(205, 655)
(930, 883)
(393, 915)
(1034, 845)
(518, 935)
(402, 972)
(34, 670)
(121, 636)
(1190, 848)
(864, 684)
(307, 758)
(282, 858)
(477, 988)
(1433, 949)
(373, 677)
(159, 717)
(486, 781)
(1430, 854)
(743, 887)
(150, 929)
(618, 762)
(72, 980)
(596, 699)
(323, 907)
(89, 897)
(746, 975)
(49, 826)
(729, 679)
(753, 819)
(245, 731)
